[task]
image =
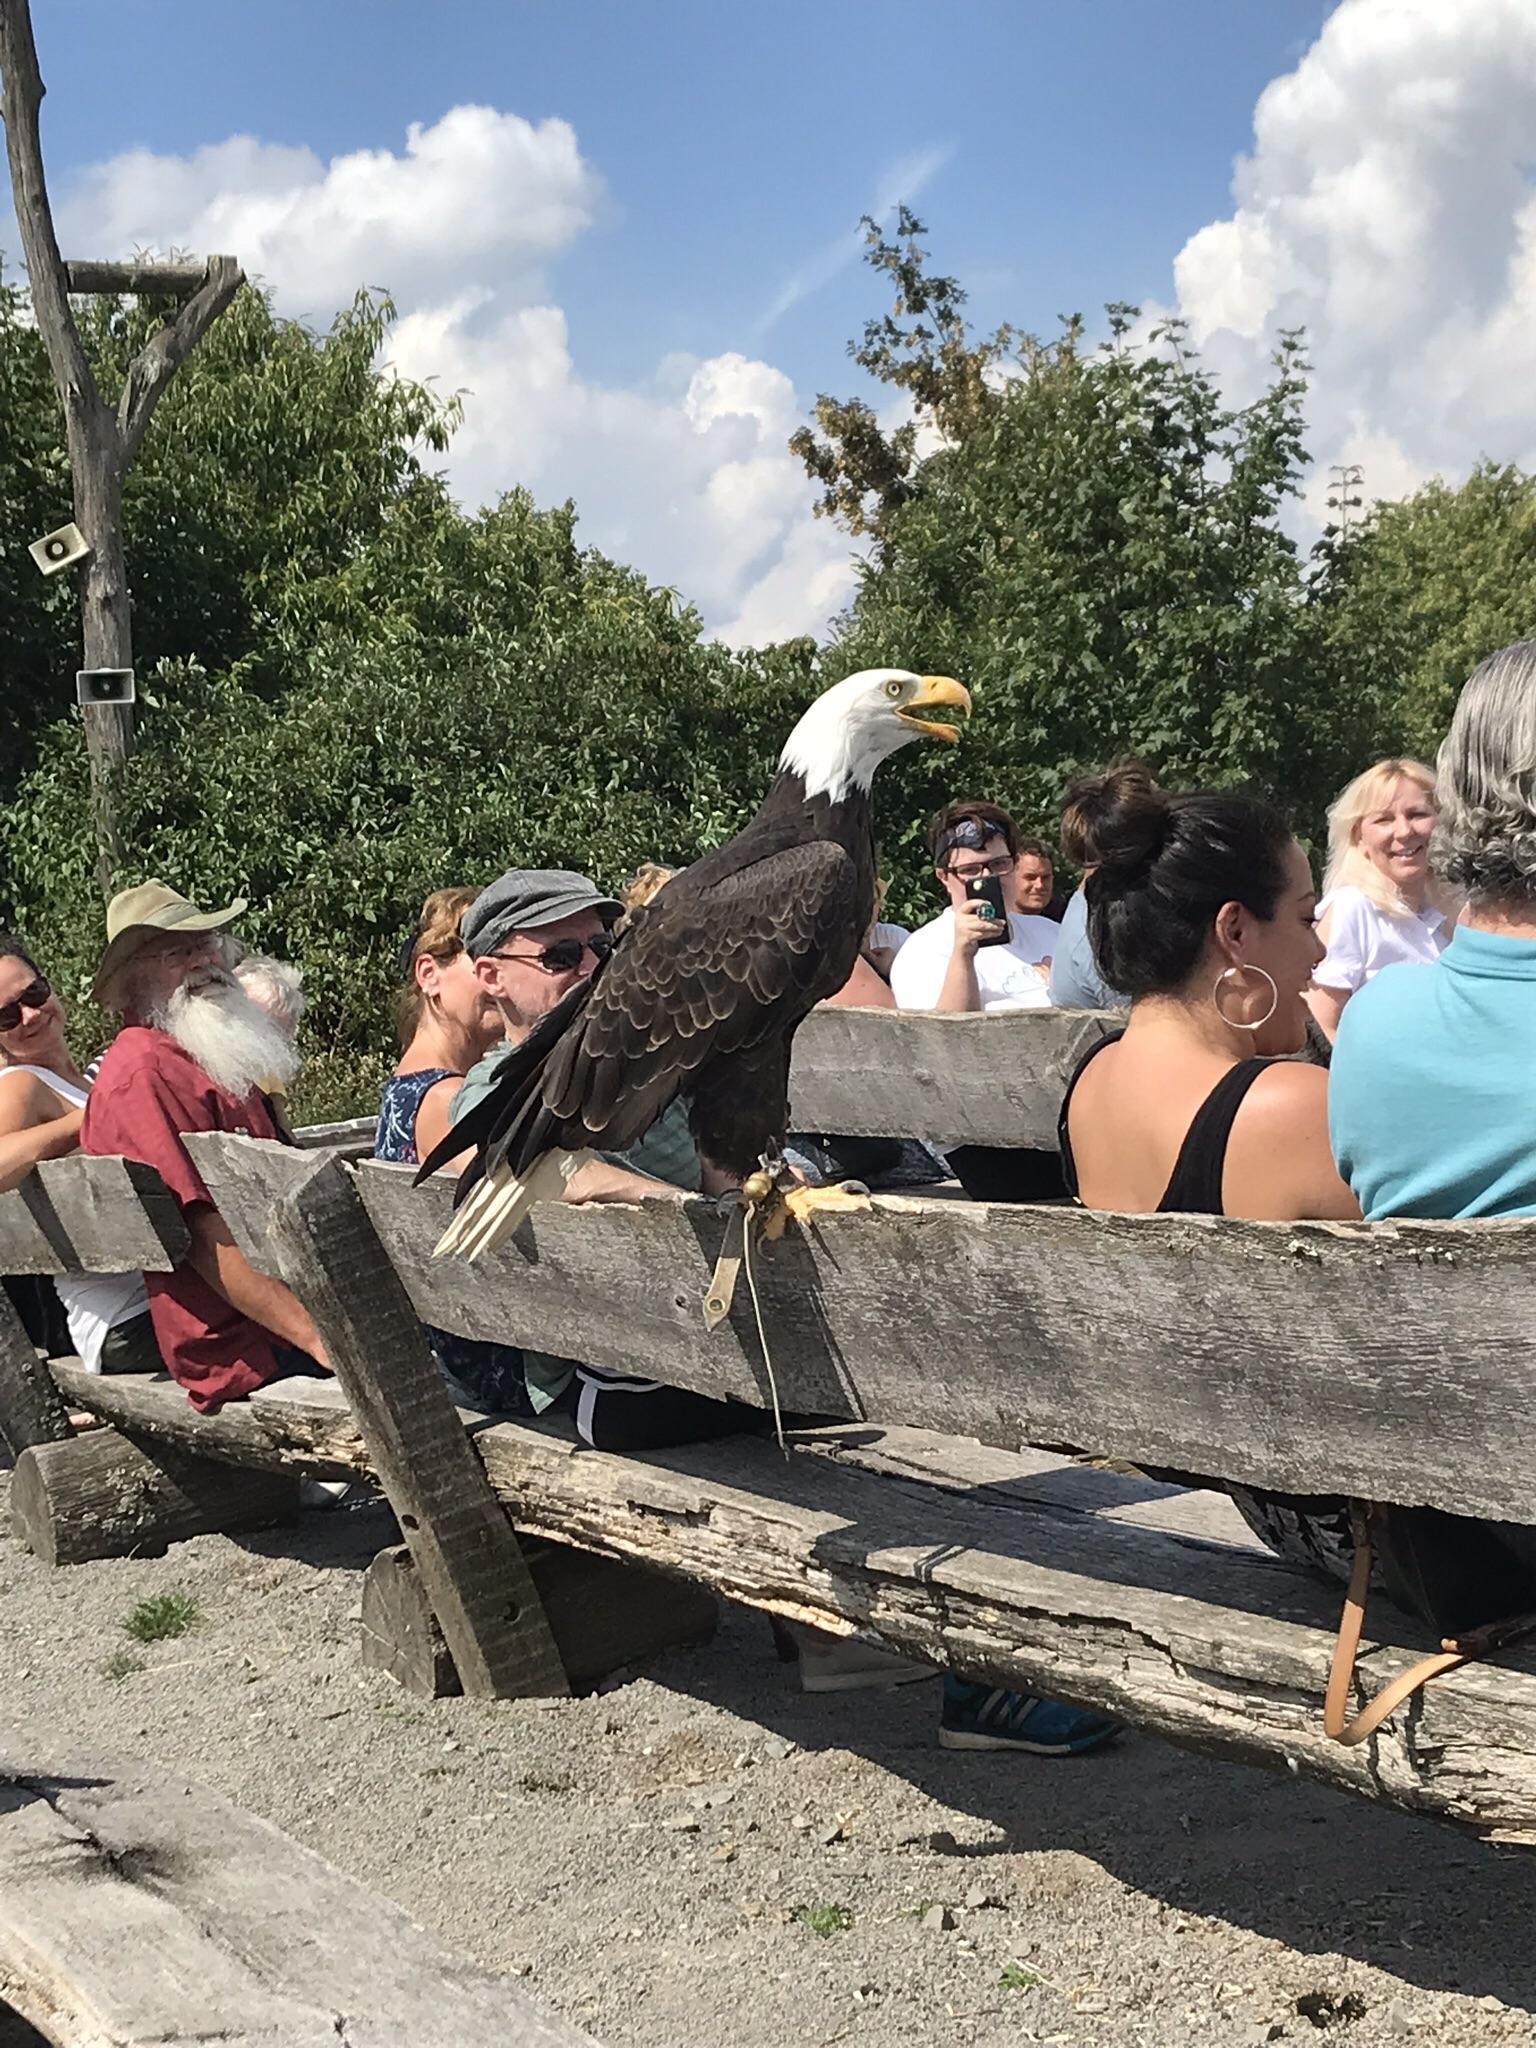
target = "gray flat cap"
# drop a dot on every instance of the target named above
(525, 898)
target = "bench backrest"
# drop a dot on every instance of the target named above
(1393, 1361)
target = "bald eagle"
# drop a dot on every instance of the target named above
(702, 994)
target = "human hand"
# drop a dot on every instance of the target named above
(974, 925)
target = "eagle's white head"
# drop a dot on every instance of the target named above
(851, 728)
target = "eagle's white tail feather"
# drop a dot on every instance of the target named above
(502, 1200)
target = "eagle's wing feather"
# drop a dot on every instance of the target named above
(705, 973)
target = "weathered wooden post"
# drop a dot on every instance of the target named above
(102, 442)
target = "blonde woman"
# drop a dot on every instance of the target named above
(445, 1022)
(1379, 902)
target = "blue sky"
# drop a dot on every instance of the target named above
(627, 232)
(738, 143)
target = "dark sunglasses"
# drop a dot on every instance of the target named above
(31, 998)
(562, 956)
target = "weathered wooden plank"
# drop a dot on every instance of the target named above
(1030, 1570)
(1308, 1358)
(352, 1138)
(139, 1911)
(81, 1215)
(30, 1409)
(102, 1495)
(955, 1080)
(475, 1575)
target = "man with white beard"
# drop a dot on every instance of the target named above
(193, 1054)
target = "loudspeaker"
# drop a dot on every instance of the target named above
(59, 550)
(104, 686)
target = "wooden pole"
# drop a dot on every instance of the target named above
(102, 444)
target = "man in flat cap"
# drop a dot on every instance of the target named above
(532, 936)
(193, 1055)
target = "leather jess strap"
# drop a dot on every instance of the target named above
(1456, 1650)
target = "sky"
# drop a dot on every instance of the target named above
(628, 233)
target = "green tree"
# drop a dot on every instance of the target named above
(1419, 592)
(1095, 546)
(280, 492)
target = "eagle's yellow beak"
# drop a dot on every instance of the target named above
(937, 691)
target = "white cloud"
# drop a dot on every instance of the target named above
(1388, 207)
(687, 475)
(478, 196)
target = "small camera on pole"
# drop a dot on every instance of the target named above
(103, 686)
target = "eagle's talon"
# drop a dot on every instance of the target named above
(805, 1204)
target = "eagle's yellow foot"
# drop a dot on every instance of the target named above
(805, 1204)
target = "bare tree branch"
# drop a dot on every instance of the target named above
(164, 353)
(21, 96)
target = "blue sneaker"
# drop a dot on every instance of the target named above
(990, 1717)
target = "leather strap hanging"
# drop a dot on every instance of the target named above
(1456, 1650)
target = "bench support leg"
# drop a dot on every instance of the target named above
(466, 1552)
(31, 1411)
(102, 1495)
(605, 1613)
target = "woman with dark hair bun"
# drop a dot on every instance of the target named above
(1075, 980)
(1202, 909)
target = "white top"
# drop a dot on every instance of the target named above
(1363, 939)
(1006, 975)
(93, 1302)
(892, 936)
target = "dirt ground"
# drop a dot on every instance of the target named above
(703, 1856)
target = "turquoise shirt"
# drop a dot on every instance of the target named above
(1432, 1092)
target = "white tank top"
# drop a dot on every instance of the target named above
(93, 1302)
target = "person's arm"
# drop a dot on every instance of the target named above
(599, 1180)
(434, 1120)
(1280, 1164)
(1327, 1006)
(1344, 929)
(864, 989)
(960, 989)
(34, 1125)
(256, 1296)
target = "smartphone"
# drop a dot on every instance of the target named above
(986, 891)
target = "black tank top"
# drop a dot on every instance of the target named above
(1194, 1187)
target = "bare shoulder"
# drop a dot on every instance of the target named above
(26, 1101)
(1288, 1090)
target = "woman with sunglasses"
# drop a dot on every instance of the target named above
(42, 1100)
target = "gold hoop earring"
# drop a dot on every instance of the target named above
(1235, 1023)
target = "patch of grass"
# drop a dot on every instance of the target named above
(1019, 1977)
(824, 1921)
(121, 1664)
(162, 1617)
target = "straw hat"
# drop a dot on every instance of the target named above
(135, 916)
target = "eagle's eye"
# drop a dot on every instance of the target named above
(893, 688)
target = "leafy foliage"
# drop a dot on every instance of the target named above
(352, 692)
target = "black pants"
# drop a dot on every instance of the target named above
(618, 1414)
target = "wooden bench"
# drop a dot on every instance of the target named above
(946, 1342)
(139, 1911)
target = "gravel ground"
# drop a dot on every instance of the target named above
(705, 1857)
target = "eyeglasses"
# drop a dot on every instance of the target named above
(1002, 865)
(563, 956)
(32, 997)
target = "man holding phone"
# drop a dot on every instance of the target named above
(980, 953)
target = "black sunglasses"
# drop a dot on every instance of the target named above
(32, 997)
(561, 956)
